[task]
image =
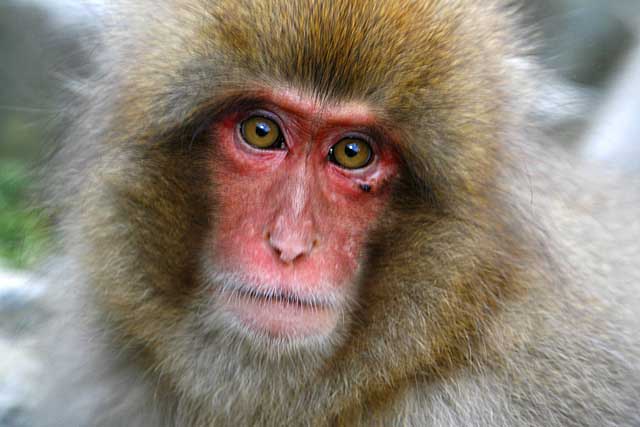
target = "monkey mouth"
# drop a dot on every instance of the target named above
(275, 312)
(283, 298)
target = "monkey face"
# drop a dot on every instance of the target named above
(298, 187)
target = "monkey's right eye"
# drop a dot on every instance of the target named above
(260, 132)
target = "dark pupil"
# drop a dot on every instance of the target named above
(262, 129)
(352, 149)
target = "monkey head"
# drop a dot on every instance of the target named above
(275, 179)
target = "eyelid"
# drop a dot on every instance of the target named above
(260, 112)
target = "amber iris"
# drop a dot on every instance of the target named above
(351, 153)
(261, 132)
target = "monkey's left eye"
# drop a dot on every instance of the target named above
(261, 132)
(351, 153)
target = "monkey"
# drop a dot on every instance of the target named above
(294, 212)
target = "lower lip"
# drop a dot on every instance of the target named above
(280, 318)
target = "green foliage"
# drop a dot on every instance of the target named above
(23, 230)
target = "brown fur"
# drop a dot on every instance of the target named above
(491, 294)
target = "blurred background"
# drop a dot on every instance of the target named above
(590, 104)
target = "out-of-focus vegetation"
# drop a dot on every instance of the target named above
(23, 230)
(23, 233)
(37, 52)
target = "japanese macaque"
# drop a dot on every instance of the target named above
(300, 212)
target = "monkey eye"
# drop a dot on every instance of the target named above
(351, 153)
(260, 132)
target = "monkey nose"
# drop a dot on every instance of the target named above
(289, 249)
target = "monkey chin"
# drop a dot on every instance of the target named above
(276, 314)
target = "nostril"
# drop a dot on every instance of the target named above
(274, 246)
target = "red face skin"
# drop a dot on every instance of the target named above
(290, 222)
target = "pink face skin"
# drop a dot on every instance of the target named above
(290, 222)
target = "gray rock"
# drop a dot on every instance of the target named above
(22, 312)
